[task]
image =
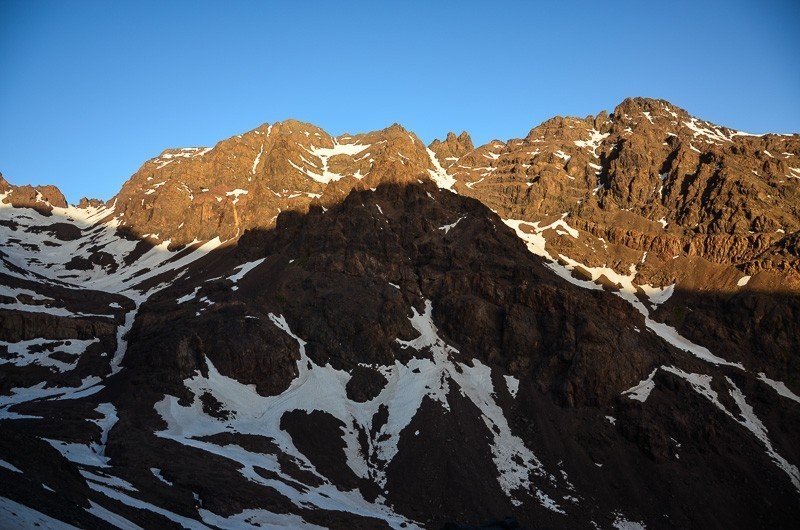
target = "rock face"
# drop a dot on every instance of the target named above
(246, 181)
(39, 198)
(653, 179)
(593, 326)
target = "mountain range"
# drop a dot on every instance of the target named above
(594, 326)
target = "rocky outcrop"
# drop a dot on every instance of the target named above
(39, 198)
(452, 148)
(86, 202)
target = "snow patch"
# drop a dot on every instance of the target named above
(627, 289)
(325, 153)
(622, 523)
(779, 387)
(117, 521)
(157, 473)
(235, 193)
(253, 518)
(316, 387)
(244, 269)
(16, 516)
(641, 391)
(133, 502)
(447, 228)
(658, 295)
(512, 383)
(10, 467)
(258, 158)
(706, 131)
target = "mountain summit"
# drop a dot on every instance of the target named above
(594, 326)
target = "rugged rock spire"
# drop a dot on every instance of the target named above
(453, 148)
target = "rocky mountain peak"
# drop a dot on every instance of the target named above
(638, 105)
(452, 148)
(655, 173)
(87, 202)
(590, 326)
(243, 182)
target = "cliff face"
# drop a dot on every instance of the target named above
(246, 181)
(595, 325)
(654, 179)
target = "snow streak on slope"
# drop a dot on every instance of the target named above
(15, 516)
(780, 388)
(701, 383)
(439, 174)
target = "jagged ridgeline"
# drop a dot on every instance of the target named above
(594, 326)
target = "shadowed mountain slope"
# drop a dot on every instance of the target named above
(296, 330)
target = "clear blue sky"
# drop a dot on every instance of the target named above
(90, 90)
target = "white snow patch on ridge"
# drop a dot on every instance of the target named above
(658, 295)
(236, 194)
(183, 152)
(593, 142)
